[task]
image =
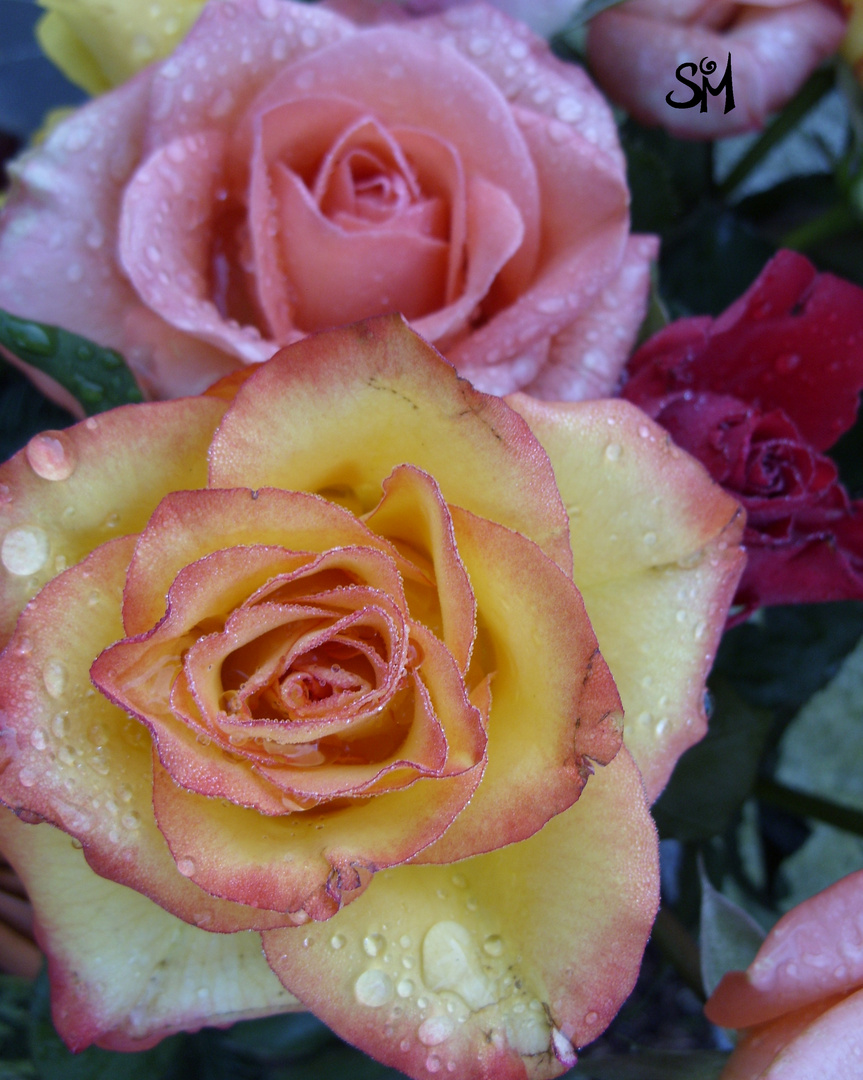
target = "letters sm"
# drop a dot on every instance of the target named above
(699, 93)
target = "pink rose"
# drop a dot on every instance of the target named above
(634, 51)
(287, 170)
(801, 999)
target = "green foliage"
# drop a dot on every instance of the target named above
(96, 377)
(730, 937)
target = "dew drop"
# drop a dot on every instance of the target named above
(51, 455)
(60, 726)
(493, 945)
(460, 881)
(405, 988)
(405, 941)
(25, 550)
(433, 1063)
(26, 777)
(435, 1030)
(373, 988)
(54, 677)
(373, 944)
(613, 451)
(649, 538)
(186, 867)
(38, 739)
(131, 821)
(338, 941)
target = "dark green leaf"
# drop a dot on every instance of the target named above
(96, 377)
(54, 1062)
(715, 776)
(292, 1035)
(729, 936)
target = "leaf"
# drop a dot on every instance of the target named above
(95, 376)
(730, 937)
(652, 1065)
(713, 778)
(54, 1062)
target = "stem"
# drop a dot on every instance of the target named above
(815, 87)
(813, 806)
(837, 219)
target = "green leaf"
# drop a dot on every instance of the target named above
(730, 937)
(713, 778)
(54, 1062)
(652, 1065)
(96, 377)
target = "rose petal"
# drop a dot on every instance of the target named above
(399, 407)
(634, 52)
(472, 965)
(413, 516)
(165, 238)
(124, 972)
(822, 1040)
(588, 356)
(77, 760)
(58, 500)
(579, 254)
(811, 953)
(657, 559)
(547, 678)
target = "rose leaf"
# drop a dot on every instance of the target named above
(730, 937)
(96, 377)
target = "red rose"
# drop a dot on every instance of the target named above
(756, 395)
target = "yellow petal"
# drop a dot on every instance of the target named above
(124, 972)
(657, 556)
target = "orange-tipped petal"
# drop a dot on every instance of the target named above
(554, 707)
(494, 969)
(657, 557)
(379, 399)
(125, 973)
(813, 952)
(58, 500)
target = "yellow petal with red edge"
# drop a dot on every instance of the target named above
(73, 758)
(413, 516)
(554, 708)
(68, 491)
(496, 968)
(313, 861)
(336, 412)
(124, 972)
(657, 556)
(189, 525)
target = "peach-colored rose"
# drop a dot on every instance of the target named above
(801, 998)
(634, 50)
(286, 170)
(289, 651)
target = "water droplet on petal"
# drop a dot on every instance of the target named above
(338, 941)
(51, 455)
(613, 451)
(54, 677)
(186, 867)
(373, 944)
(25, 550)
(493, 945)
(373, 988)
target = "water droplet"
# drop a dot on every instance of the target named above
(38, 739)
(373, 988)
(373, 944)
(785, 364)
(569, 109)
(649, 538)
(644, 431)
(435, 1030)
(591, 1018)
(460, 881)
(54, 677)
(680, 615)
(613, 451)
(493, 945)
(451, 961)
(405, 941)
(51, 455)
(25, 550)
(186, 867)
(338, 941)
(699, 631)
(433, 1063)
(60, 726)
(131, 821)
(23, 646)
(405, 988)
(26, 777)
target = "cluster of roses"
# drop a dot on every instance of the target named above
(315, 665)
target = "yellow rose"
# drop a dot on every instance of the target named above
(308, 660)
(99, 44)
